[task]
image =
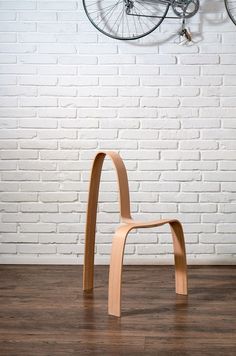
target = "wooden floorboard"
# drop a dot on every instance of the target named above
(43, 311)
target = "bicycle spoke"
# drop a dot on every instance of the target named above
(108, 18)
(92, 12)
(106, 14)
(231, 9)
(126, 19)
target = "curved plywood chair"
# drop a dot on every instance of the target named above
(119, 239)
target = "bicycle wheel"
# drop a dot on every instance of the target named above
(231, 9)
(125, 19)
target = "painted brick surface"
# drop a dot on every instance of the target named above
(67, 91)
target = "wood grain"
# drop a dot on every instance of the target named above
(43, 311)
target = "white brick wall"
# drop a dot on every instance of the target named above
(67, 91)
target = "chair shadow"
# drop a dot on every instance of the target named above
(181, 304)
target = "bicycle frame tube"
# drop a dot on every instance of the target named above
(172, 3)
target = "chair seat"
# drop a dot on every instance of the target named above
(146, 224)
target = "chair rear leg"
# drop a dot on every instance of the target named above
(181, 283)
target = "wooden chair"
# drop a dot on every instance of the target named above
(119, 239)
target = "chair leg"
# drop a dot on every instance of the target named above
(115, 274)
(88, 268)
(181, 283)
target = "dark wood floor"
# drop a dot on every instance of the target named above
(43, 311)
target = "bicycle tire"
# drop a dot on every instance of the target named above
(158, 12)
(231, 10)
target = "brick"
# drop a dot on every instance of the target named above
(56, 27)
(9, 187)
(160, 187)
(220, 176)
(160, 59)
(60, 155)
(9, 101)
(76, 38)
(17, 48)
(18, 154)
(179, 91)
(20, 176)
(58, 197)
(58, 238)
(70, 249)
(20, 217)
(38, 144)
(39, 227)
(75, 59)
(39, 207)
(180, 197)
(7, 248)
(57, 112)
(7, 80)
(197, 165)
(201, 187)
(8, 166)
(10, 227)
(181, 176)
(37, 81)
(218, 218)
(39, 187)
(200, 102)
(8, 59)
(17, 5)
(35, 37)
(38, 59)
(229, 187)
(35, 248)
(18, 197)
(180, 70)
(37, 16)
(196, 208)
(198, 123)
(228, 249)
(139, 91)
(160, 81)
(150, 165)
(160, 102)
(97, 70)
(199, 249)
(154, 249)
(180, 155)
(35, 166)
(218, 155)
(119, 81)
(58, 5)
(18, 27)
(200, 59)
(217, 238)
(116, 59)
(56, 48)
(97, 49)
(7, 16)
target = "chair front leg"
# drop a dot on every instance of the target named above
(181, 283)
(115, 271)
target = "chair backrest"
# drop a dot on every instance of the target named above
(123, 186)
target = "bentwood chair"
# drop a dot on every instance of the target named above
(119, 239)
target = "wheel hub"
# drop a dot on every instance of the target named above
(129, 5)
